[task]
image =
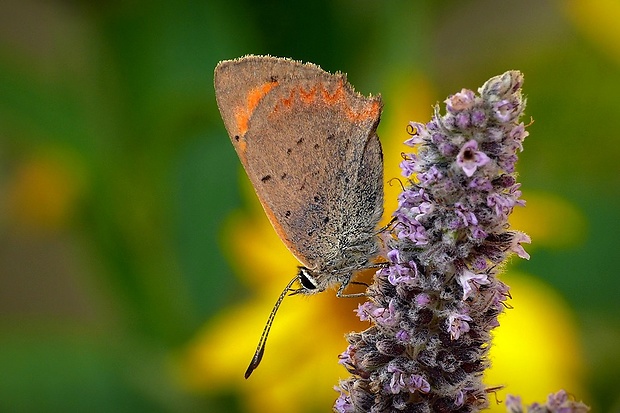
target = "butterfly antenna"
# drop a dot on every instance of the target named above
(260, 349)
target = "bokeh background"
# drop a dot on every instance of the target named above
(136, 268)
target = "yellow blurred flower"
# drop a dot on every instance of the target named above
(41, 192)
(535, 349)
(598, 20)
(550, 220)
(300, 366)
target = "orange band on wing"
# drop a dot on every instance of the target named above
(258, 93)
(370, 110)
(367, 113)
(337, 96)
(309, 96)
(242, 114)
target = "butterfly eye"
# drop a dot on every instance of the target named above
(306, 280)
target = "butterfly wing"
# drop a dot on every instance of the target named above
(308, 143)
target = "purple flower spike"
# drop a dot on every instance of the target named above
(470, 158)
(458, 324)
(460, 101)
(432, 307)
(343, 403)
(418, 134)
(470, 281)
(558, 402)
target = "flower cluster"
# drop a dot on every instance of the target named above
(433, 307)
(558, 402)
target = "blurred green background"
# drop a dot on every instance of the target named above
(116, 173)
